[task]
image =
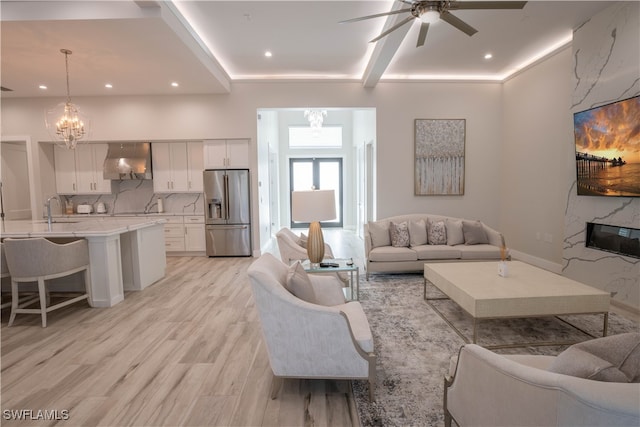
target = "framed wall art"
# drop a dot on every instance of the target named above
(439, 156)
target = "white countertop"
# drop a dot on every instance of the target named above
(132, 214)
(97, 226)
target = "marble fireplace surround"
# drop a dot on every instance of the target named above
(606, 53)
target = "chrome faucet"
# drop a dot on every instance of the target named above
(49, 208)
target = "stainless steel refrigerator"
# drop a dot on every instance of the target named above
(227, 212)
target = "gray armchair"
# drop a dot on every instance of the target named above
(39, 260)
(489, 389)
(307, 340)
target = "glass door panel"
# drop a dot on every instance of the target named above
(319, 174)
(302, 175)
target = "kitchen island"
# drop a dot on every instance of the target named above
(125, 254)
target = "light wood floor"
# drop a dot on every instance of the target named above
(186, 351)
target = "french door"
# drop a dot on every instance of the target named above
(318, 174)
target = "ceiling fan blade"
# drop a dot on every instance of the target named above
(377, 15)
(487, 5)
(395, 27)
(458, 23)
(424, 27)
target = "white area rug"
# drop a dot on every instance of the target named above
(414, 346)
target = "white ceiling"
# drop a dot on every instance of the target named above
(140, 47)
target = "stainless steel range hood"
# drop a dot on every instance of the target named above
(128, 160)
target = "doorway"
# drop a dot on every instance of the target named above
(318, 174)
(15, 192)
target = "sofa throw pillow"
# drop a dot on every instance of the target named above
(399, 234)
(455, 236)
(298, 283)
(417, 233)
(615, 358)
(474, 233)
(437, 233)
(379, 232)
(302, 241)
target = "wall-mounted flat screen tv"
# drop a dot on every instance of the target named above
(608, 149)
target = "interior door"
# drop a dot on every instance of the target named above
(15, 198)
(319, 174)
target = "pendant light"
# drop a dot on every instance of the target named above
(64, 122)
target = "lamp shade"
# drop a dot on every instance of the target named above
(313, 205)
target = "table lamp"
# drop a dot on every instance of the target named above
(314, 206)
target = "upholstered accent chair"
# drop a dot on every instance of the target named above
(325, 339)
(4, 272)
(489, 389)
(291, 249)
(39, 260)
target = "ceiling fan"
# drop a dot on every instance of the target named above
(429, 12)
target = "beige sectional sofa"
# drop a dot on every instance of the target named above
(431, 238)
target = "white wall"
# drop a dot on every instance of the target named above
(364, 141)
(400, 104)
(537, 128)
(234, 116)
(267, 141)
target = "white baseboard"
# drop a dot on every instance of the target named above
(634, 312)
(538, 262)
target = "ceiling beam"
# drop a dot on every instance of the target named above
(385, 48)
(183, 29)
(74, 10)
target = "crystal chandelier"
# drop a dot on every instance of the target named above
(65, 122)
(315, 117)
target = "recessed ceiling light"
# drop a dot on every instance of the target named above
(174, 84)
(43, 87)
(268, 54)
(488, 56)
(108, 85)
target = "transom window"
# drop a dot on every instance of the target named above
(307, 137)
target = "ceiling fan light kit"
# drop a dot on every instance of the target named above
(430, 12)
(430, 16)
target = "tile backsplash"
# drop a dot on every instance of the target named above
(138, 197)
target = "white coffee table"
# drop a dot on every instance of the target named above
(527, 291)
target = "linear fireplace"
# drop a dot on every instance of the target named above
(612, 238)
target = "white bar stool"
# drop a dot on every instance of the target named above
(37, 260)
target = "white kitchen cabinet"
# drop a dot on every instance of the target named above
(80, 171)
(177, 167)
(226, 153)
(65, 170)
(194, 237)
(184, 233)
(174, 233)
(195, 166)
(89, 169)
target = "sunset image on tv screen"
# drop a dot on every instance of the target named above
(608, 149)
